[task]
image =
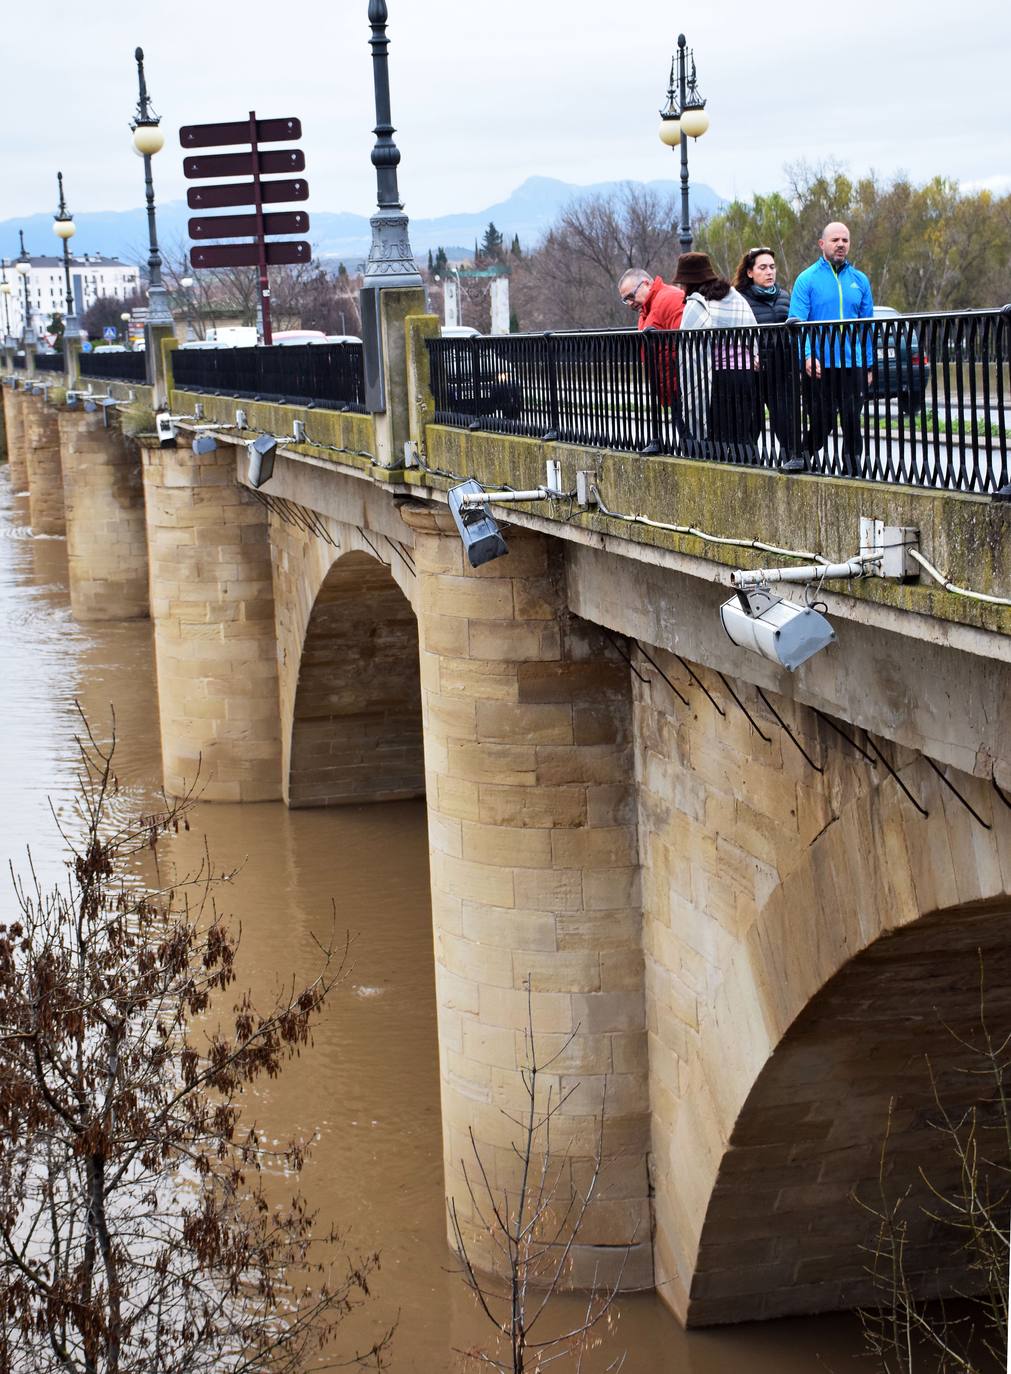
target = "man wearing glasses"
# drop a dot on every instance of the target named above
(659, 305)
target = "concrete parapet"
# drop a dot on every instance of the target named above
(14, 420)
(103, 492)
(535, 880)
(212, 604)
(45, 472)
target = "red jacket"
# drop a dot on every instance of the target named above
(664, 306)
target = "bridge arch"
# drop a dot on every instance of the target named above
(849, 974)
(349, 674)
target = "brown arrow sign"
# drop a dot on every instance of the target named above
(241, 164)
(237, 131)
(245, 226)
(244, 193)
(248, 254)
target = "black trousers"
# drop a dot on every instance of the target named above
(735, 416)
(839, 391)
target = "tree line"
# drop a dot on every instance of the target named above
(925, 248)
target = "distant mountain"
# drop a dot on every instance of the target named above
(529, 212)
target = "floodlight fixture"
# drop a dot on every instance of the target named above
(475, 524)
(778, 630)
(261, 459)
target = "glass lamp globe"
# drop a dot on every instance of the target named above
(5, 287)
(64, 228)
(695, 122)
(148, 139)
(23, 267)
(670, 132)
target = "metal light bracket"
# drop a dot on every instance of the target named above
(165, 426)
(889, 545)
(553, 474)
(240, 419)
(298, 435)
(586, 487)
(411, 454)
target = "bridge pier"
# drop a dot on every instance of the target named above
(14, 420)
(212, 603)
(104, 502)
(534, 869)
(45, 471)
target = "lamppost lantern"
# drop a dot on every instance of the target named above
(683, 117)
(23, 268)
(65, 228)
(148, 139)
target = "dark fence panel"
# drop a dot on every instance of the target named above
(919, 399)
(49, 362)
(128, 366)
(328, 375)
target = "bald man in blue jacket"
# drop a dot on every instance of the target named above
(837, 363)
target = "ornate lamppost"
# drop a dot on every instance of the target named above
(23, 267)
(148, 139)
(683, 117)
(391, 261)
(65, 229)
(5, 291)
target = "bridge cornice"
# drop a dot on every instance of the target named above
(967, 537)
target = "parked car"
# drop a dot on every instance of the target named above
(900, 368)
(298, 336)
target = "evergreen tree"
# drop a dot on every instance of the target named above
(515, 248)
(491, 244)
(430, 264)
(441, 262)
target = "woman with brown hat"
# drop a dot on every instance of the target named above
(721, 386)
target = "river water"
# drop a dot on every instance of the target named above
(369, 1086)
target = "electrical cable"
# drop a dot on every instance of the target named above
(702, 534)
(950, 586)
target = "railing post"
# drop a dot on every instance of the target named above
(475, 383)
(651, 350)
(551, 433)
(794, 460)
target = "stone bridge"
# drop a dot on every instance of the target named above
(749, 903)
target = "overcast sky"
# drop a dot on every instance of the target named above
(487, 95)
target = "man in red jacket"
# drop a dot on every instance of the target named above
(660, 305)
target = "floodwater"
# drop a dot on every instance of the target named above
(369, 1086)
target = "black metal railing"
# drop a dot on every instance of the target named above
(128, 366)
(49, 362)
(922, 399)
(330, 375)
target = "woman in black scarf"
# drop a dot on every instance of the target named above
(755, 279)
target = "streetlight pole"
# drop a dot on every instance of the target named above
(5, 290)
(683, 117)
(148, 139)
(391, 261)
(23, 267)
(65, 228)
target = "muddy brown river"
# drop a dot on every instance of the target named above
(369, 1087)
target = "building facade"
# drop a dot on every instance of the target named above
(91, 276)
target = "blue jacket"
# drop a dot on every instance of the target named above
(821, 293)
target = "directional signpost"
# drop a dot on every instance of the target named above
(256, 226)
